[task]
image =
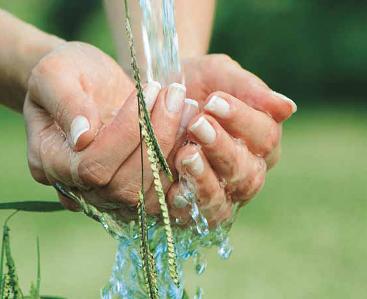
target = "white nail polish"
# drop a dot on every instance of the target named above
(203, 130)
(194, 164)
(79, 126)
(218, 106)
(151, 92)
(288, 100)
(175, 96)
(190, 109)
(180, 202)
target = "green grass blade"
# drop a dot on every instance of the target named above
(38, 284)
(4, 244)
(2, 280)
(33, 206)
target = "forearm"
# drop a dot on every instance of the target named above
(193, 21)
(21, 47)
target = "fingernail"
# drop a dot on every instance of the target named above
(180, 202)
(175, 97)
(217, 106)
(288, 100)
(190, 109)
(203, 130)
(194, 164)
(79, 126)
(151, 92)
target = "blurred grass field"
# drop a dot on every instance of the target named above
(305, 236)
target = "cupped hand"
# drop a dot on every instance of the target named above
(82, 125)
(236, 136)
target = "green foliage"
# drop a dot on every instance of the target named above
(9, 282)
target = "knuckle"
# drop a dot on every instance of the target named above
(93, 173)
(215, 60)
(223, 58)
(252, 184)
(165, 142)
(36, 169)
(47, 65)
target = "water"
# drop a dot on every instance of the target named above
(160, 41)
(127, 281)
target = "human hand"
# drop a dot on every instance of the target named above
(82, 125)
(238, 133)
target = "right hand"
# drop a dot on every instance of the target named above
(82, 125)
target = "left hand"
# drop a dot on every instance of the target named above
(238, 132)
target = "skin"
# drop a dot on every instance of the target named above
(61, 81)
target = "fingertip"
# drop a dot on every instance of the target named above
(83, 131)
(79, 127)
(83, 141)
(151, 91)
(178, 204)
(288, 107)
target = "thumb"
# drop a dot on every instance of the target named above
(72, 109)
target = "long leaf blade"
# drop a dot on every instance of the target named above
(33, 206)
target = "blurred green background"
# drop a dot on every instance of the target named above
(305, 236)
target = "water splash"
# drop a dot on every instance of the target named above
(127, 280)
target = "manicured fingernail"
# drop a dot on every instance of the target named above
(175, 96)
(204, 131)
(194, 164)
(217, 106)
(288, 100)
(190, 109)
(151, 92)
(79, 126)
(180, 202)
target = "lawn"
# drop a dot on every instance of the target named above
(305, 236)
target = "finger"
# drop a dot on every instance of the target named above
(222, 73)
(65, 98)
(36, 120)
(222, 151)
(211, 197)
(248, 186)
(190, 110)
(56, 156)
(166, 117)
(244, 172)
(114, 143)
(259, 131)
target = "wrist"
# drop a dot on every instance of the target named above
(29, 51)
(20, 51)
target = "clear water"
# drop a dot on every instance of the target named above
(127, 281)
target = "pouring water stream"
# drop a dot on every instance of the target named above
(127, 281)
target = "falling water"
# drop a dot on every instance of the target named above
(127, 280)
